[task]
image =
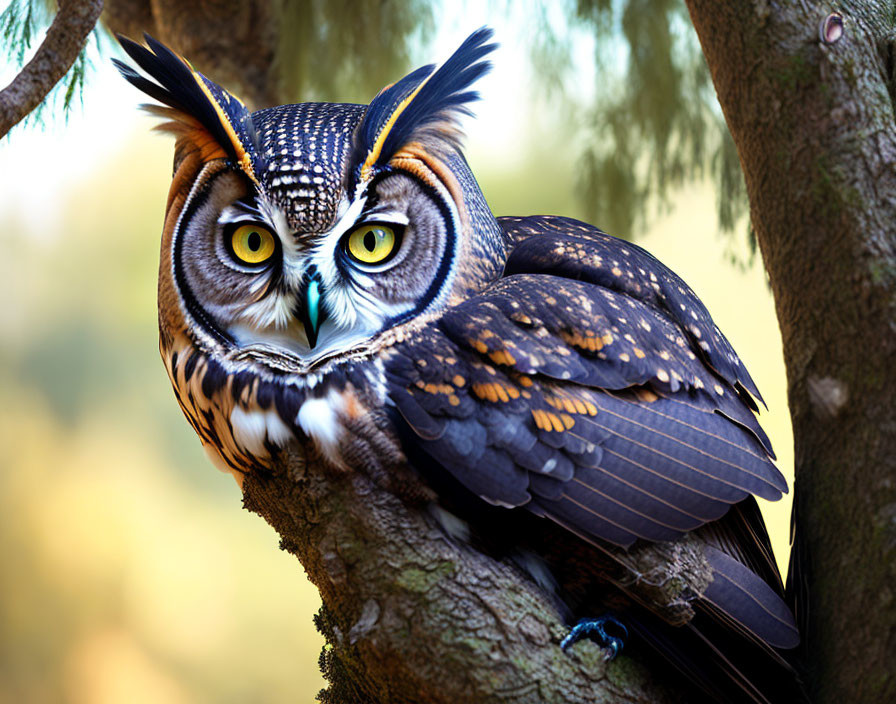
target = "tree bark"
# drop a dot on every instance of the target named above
(55, 56)
(811, 109)
(411, 616)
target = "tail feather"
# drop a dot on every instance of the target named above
(726, 667)
(740, 594)
(739, 647)
(797, 592)
(742, 535)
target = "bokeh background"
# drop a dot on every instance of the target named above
(128, 570)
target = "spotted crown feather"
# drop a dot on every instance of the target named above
(426, 100)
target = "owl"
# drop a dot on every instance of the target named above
(332, 276)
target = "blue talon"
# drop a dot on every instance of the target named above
(596, 630)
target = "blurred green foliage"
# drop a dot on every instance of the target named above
(336, 50)
(654, 123)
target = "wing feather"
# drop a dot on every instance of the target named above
(577, 250)
(581, 393)
(650, 466)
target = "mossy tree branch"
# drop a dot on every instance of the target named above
(411, 616)
(810, 105)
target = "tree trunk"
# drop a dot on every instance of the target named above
(411, 616)
(811, 107)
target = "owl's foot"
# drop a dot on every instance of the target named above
(608, 632)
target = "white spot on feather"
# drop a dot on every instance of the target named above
(319, 419)
(252, 428)
(502, 504)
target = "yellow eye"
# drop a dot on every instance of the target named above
(371, 244)
(252, 244)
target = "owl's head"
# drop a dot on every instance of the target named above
(310, 232)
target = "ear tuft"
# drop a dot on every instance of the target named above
(200, 111)
(425, 101)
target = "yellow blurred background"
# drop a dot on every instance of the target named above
(128, 570)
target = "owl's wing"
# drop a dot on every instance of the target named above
(590, 386)
(577, 250)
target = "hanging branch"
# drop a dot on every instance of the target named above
(55, 56)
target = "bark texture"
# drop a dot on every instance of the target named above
(54, 57)
(811, 109)
(411, 616)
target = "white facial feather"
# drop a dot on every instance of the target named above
(357, 301)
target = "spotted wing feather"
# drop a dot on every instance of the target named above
(580, 394)
(580, 436)
(577, 250)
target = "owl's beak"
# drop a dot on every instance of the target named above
(310, 312)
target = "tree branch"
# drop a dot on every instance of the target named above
(55, 56)
(812, 115)
(411, 616)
